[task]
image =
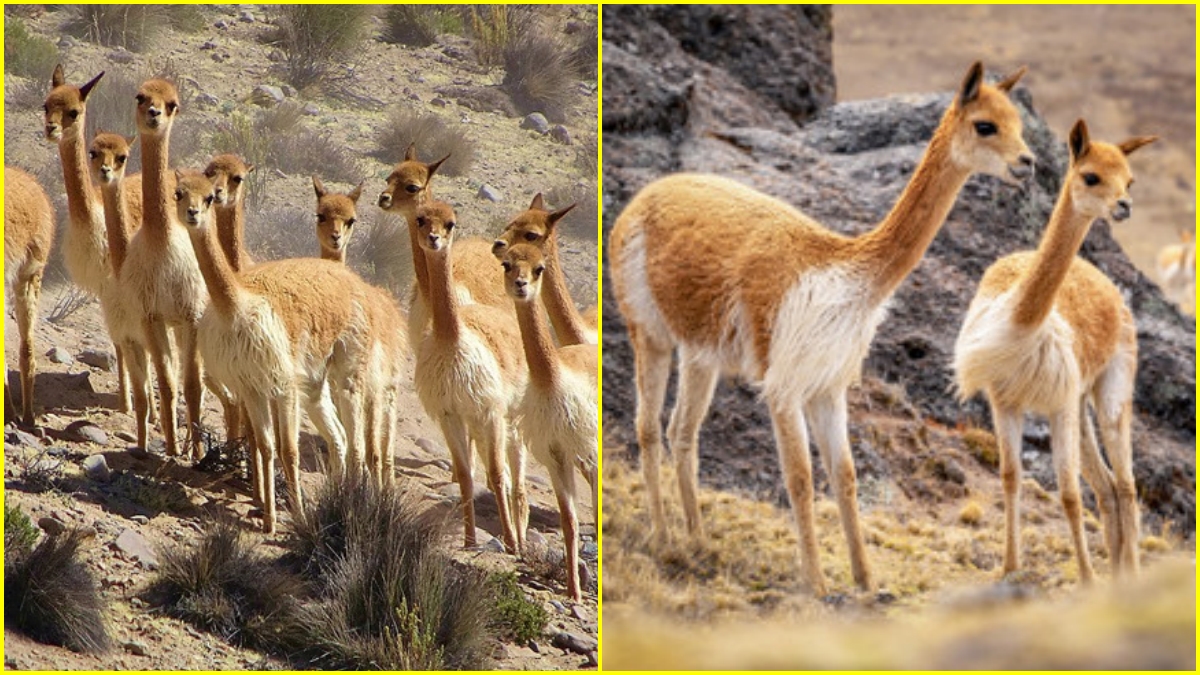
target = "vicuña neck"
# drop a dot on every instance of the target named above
(420, 266)
(81, 202)
(1038, 288)
(564, 316)
(156, 206)
(895, 247)
(441, 298)
(336, 256)
(116, 224)
(219, 277)
(231, 222)
(540, 353)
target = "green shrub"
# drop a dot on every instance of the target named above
(52, 597)
(420, 25)
(540, 75)
(433, 137)
(518, 618)
(28, 55)
(19, 532)
(314, 37)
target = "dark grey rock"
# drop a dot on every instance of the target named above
(104, 360)
(535, 122)
(267, 96)
(208, 44)
(20, 437)
(438, 102)
(121, 55)
(207, 100)
(136, 648)
(311, 109)
(489, 193)
(96, 468)
(84, 431)
(289, 91)
(246, 17)
(58, 355)
(52, 526)
(276, 56)
(560, 134)
(579, 644)
(494, 545)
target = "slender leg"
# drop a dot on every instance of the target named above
(350, 411)
(123, 380)
(1064, 444)
(27, 296)
(520, 497)
(791, 438)
(159, 344)
(286, 412)
(1115, 426)
(697, 382)
(193, 387)
(1010, 424)
(259, 411)
(319, 406)
(1103, 486)
(462, 461)
(562, 476)
(653, 364)
(828, 418)
(493, 445)
(391, 414)
(139, 380)
(372, 428)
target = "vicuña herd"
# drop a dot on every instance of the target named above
(742, 283)
(164, 253)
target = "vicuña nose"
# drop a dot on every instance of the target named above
(1027, 160)
(520, 283)
(433, 239)
(193, 212)
(154, 112)
(385, 199)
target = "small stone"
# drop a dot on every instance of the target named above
(574, 643)
(96, 467)
(221, 23)
(136, 648)
(534, 647)
(246, 17)
(489, 193)
(207, 100)
(558, 606)
(219, 57)
(535, 538)
(266, 95)
(126, 436)
(135, 547)
(99, 359)
(560, 134)
(589, 550)
(158, 446)
(276, 56)
(21, 437)
(52, 526)
(208, 45)
(140, 519)
(439, 102)
(311, 109)
(494, 545)
(67, 42)
(86, 432)
(579, 613)
(432, 447)
(586, 578)
(58, 355)
(121, 55)
(537, 122)
(289, 91)
(452, 492)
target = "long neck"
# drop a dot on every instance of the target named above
(1038, 288)
(420, 266)
(895, 247)
(441, 297)
(116, 224)
(564, 316)
(336, 256)
(539, 348)
(156, 207)
(231, 223)
(81, 202)
(219, 277)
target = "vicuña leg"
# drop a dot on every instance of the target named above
(519, 506)
(139, 386)
(563, 479)
(653, 369)
(286, 411)
(318, 404)
(28, 292)
(463, 462)
(1064, 444)
(1103, 486)
(159, 343)
(493, 443)
(1115, 428)
(193, 387)
(697, 381)
(1009, 425)
(791, 438)
(258, 409)
(351, 411)
(829, 421)
(123, 381)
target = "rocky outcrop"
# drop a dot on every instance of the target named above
(665, 110)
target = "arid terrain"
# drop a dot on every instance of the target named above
(219, 62)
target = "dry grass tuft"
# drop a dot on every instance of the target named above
(134, 27)
(971, 514)
(982, 446)
(384, 256)
(51, 596)
(420, 25)
(28, 55)
(314, 38)
(434, 137)
(541, 75)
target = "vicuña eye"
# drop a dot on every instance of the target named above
(172, 106)
(422, 221)
(450, 226)
(320, 217)
(208, 200)
(178, 195)
(413, 189)
(531, 236)
(1091, 179)
(507, 266)
(350, 223)
(985, 128)
(121, 159)
(73, 114)
(91, 154)
(237, 180)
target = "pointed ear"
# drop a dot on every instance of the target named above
(59, 78)
(131, 140)
(178, 176)
(432, 168)
(969, 90)
(1128, 146)
(249, 168)
(556, 216)
(1009, 82)
(1078, 140)
(318, 187)
(356, 193)
(410, 153)
(83, 91)
(538, 203)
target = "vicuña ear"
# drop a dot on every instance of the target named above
(969, 90)
(434, 167)
(1009, 82)
(537, 203)
(59, 78)
(1078, 140)
(410, 153)
(249, 168)
(1128, 146)
(132, 139)
(178, 176)
(318, 187)
(356, 192)
(83, 91)
(556, 216)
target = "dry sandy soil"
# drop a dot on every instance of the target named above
(226, 63)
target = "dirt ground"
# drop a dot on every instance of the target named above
(1145, 84)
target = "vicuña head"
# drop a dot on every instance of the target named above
(157, 106)
(193, 200)
(336, 215)
(108, 157)
(1099, 176)
(228, 173)
(408, 185)
(533, 225)
(435, 224)
(986, 134)
(523, 266)
(65, 104)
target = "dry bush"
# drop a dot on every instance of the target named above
(25, 94)
(587, 155)
(540, 75)
(581, 222)
(433, 136)
(587, 52)
(384, 255)
(282, 232)
(420, 25)
(314, 37)
(51, 596)
(493, 27)
(26, 54)
(134, 27)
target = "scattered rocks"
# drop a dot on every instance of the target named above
(494, 545)
(574, 643)
(431, 446)
(67, 42)
(83, 431)
(20, 437)
(136, 648)
(267, 96)
(104, 360)
(135, 547)
(221, 24)
(208, 44)
(535, 538)
(140, 519)
(96, 468)
(121, 55)
(246, 17)
(207, 100)
(560, 134)
(126, 436)
(489, 193)
(589, 550)
(311, 109)
(558, 606)
(52, 526)
(439, 102)
(289, 91)
(536, 122)
(58, 355)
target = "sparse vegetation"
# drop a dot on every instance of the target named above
(51, 596)
(314, 37)
(19, 533)
(435, 138)
(971, 514)
(385, 258)
(982, 446)
(28, 55)
(134, 27)
(420, 25)
(518, 617)
(541, 75)
(581, 221)
(282, 232)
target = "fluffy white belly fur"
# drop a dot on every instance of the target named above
(550, 422)
(166, 284)
(464, 380)
(250, 354)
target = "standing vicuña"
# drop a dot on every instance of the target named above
(744, 283)
(1046, 333)
(28, 237)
